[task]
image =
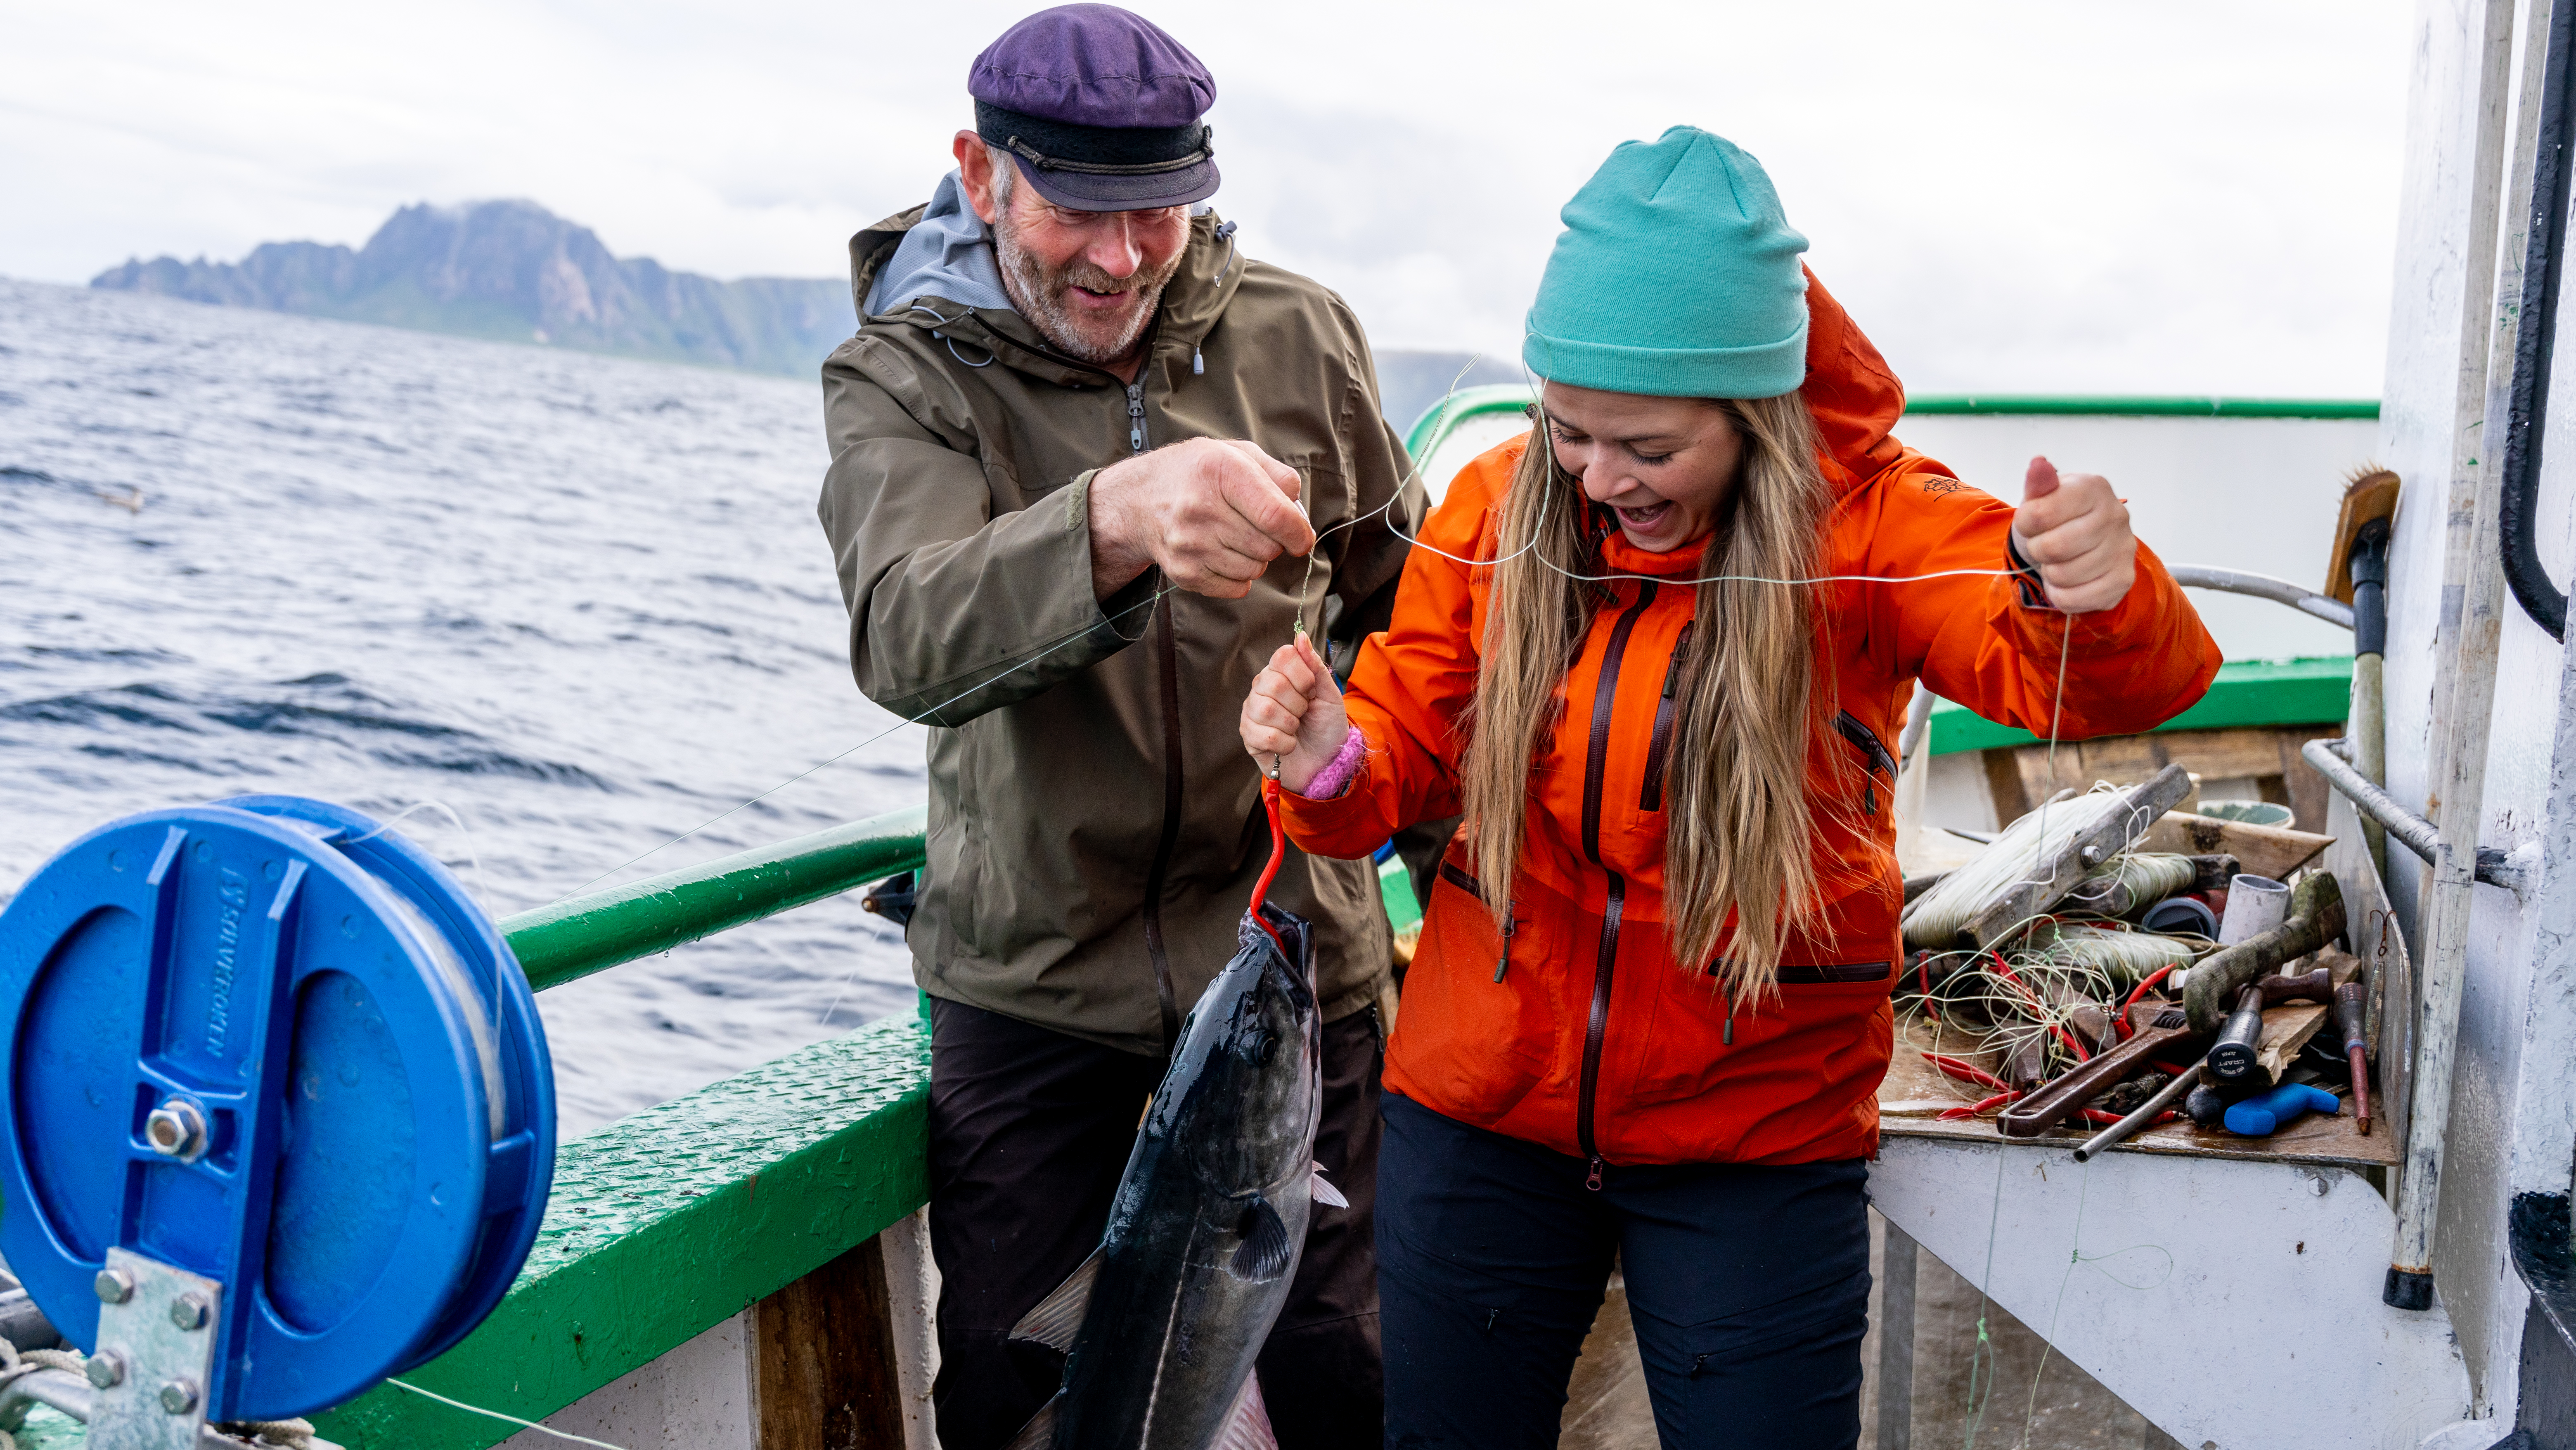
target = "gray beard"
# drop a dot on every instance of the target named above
(1038, 293)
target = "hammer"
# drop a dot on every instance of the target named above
(2232, 1060)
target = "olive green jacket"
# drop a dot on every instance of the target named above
(1091, 806)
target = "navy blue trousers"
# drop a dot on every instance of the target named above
(1749, 1287)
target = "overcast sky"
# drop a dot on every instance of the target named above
(2174, 197)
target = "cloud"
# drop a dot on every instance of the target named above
(2185, 197)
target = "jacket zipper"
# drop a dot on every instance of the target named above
(1874, 755)
(1168, 665)
(1596, 762)
(1652, 798)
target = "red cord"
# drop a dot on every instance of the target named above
(1965, 1072)
(2135, 993)
(1970, 1110)
(1278, 853)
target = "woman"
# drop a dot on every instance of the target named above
(1650, 1007)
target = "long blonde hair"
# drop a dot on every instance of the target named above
(1737, 832)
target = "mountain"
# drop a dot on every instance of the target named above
(514, 271)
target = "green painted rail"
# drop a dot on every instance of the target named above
(2246, 693)
(1493, 398)
(579, 935)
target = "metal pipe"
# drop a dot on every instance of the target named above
(2331, 758)
(2262, 586)
(2147, 1112)
(2402, 825)
(2535, 333)
(572, 938)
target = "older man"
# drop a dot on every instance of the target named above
(1081, 447)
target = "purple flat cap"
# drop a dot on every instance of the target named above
(1100, 107)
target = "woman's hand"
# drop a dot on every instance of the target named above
(2075, 531)
(1295, 713)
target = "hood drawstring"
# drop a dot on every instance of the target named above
(1225, 234)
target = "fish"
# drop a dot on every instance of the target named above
(1161, 1324)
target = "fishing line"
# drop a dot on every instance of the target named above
(2048, 1341)
(1149, 602)
(1416, 542)
(1984, 1354)
(497, 1415)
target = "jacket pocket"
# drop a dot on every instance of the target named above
(1471, 1042)
(1875, 759)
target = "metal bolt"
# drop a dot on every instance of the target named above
(188, 1311)
(114, 1286)
(105, 1369)
(178, 1397)
(2092, 855)
(176, 1129)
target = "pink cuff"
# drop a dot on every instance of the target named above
(1338, 772)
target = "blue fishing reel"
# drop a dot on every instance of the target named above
(276, 1116)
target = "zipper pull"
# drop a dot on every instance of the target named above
(1727, 1038)
(1594, 1181)
(1511, 925)
(1673, 671)
(1136, 416)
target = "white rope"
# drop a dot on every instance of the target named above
(497, 1415)
(1936, 918)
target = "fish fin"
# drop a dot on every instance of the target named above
(1039, 1432)
(1265, 1252)
(1326, 1193)
(1247, 1426)
(1058, 1316)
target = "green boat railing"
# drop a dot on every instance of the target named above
(579, 935)
(1442, 417)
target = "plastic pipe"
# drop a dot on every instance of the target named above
(2535, 333)
(2366, 720)
(2255, 905)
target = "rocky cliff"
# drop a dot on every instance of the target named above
(515, 271)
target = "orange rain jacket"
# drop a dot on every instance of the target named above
(1571, 1026)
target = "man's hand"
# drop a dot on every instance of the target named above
(2075, 531)
(1295, 713)
(1211, 513)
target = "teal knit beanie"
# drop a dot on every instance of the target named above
(1677, 274)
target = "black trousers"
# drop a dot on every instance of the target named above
(1029, 1132)
(1749, 1287)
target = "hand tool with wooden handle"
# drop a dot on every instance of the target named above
(2152, 1025)
(2356, 1049)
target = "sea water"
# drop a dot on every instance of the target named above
(580, 602)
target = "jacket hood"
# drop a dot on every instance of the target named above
(947, 252)
(921, 253)
(1856, 399)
